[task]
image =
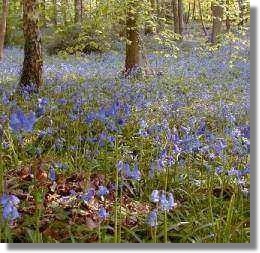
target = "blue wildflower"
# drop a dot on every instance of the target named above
(102, 213)
(164, 202)
(89, 195)
(155, 198)
(102, 191)
(52, 174)
(136, 174)
(9, 203)
(171, 201)
(20, 122)
(152, 219)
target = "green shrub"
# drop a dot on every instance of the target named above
(84, 38)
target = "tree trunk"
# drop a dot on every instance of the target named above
(3, 28)
(43, 13)
(228, 23)
(77, 7)
(133, 51)
(81, 10)
(194, 10)
(187, 16)
(55, 12)
(217, 13)
(202, 21)
(175, 16)
(33, 63)
(180, 14)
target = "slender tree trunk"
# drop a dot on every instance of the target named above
(77, 8)
(201, 19)
(194, 10)
(176, 16)
(217, 13)
(81, 10)
(33, 63)
(187, 16)
(55, 12)
(228, 22)
(3, 28)
(133, 50)
(43, 12)
(180, 14)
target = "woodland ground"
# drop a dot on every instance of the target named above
(101, 144)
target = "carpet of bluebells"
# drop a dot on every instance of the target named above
(97, 157)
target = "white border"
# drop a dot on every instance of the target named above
(4, 248)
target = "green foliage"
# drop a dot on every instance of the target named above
(77, 38)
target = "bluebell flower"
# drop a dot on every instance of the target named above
(120, 166)
(89, 195)
(102, 191)
(155, 197)
(136, 174)
(171, 201)
(9, 203)
(20, 122)
(219, 170)
(152, 219)
(164, 204)
(52, 174)
(102, 213)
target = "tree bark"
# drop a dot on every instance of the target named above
(201, 19)
(133, 50)
(217, 13)
(33, 63)
(187, 16)
(194, 10)
(176, 16)
(55, 12)
(43, 12)
(180, 14)
(228, 23)
(3, 28)
(77, 7)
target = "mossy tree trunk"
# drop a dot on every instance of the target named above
(3, 27)
(33, 63)
(133, 50)
(217, 13)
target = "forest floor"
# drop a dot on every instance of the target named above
(113, 159)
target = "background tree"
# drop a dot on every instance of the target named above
(33, 63)
(3, 27)
(133, 50)
(217, 14)
(78, 7)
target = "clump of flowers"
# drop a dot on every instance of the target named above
(9, 203)
(127, 172)
(20, 122)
